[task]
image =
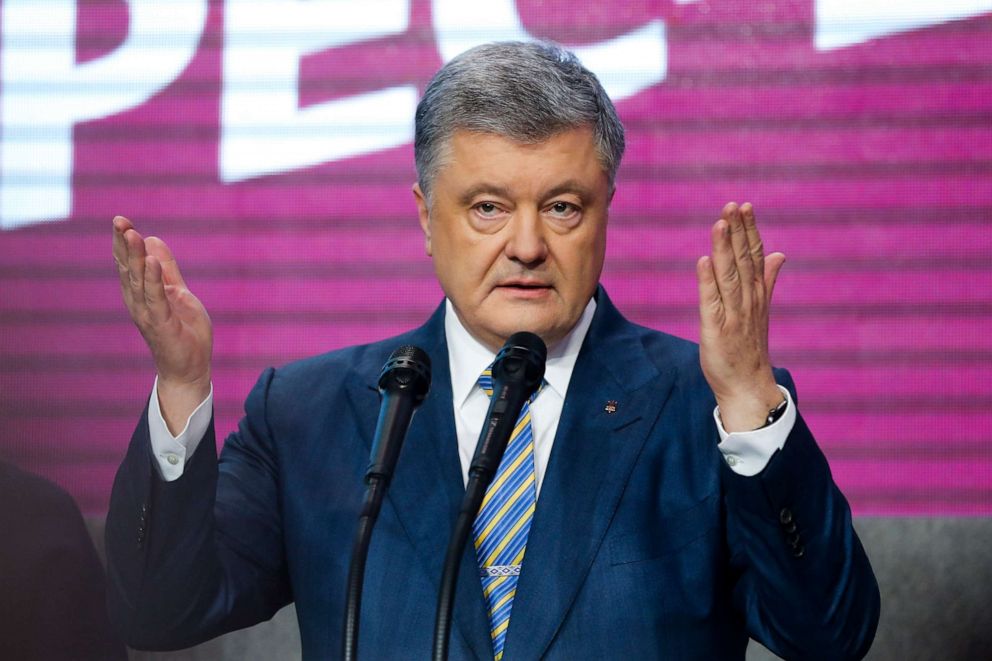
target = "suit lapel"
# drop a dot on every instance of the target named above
(427, 487)
(594, 453)
(592, 458)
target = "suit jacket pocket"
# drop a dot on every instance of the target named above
(668, 535)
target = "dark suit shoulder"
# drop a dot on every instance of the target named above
(289, 394)
(361, 361)
(675, 350)
(681, 355)
(670, 353)
(43, 523)
(51, 582)
(34, 501)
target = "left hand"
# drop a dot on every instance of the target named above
(735, 293)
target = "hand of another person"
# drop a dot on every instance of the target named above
(172, 320)
(735, 292)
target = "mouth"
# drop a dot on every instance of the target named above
(523, 288)
(520, 283)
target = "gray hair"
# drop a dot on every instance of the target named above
(527, 92)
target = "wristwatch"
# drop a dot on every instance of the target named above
(775, 414)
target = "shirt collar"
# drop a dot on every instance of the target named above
(467, 357)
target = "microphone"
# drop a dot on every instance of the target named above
(517, 372)
(403, 385)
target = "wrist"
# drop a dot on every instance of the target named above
(750, 411)
(177, 399)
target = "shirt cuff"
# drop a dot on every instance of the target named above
(747, 452)
(172, 452)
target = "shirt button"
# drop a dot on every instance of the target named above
(172, 459)
(732, 460)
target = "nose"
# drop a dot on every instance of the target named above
(525, 242)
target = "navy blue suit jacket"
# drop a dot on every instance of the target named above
(644, 544)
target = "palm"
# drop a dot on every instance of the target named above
(735, 291)
(172, 320)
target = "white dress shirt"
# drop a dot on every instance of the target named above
(746, 453)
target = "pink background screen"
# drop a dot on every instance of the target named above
(867, 159)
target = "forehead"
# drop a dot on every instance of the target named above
(473, 159)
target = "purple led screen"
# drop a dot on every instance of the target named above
(269, 143)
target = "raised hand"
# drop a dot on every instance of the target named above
(735, 293)
(172, 320)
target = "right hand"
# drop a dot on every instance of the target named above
(172, 320)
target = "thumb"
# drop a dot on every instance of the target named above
(773, 264)
(710, 303)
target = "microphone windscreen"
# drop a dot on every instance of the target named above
(408, 368)
(522, 359)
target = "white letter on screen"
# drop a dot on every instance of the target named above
(624, 65)
(263, 128)
(842, 23)
(44, 93)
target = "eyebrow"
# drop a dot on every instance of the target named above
(478, 189)
(568, 186)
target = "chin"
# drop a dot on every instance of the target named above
(549, 333)
(505, 320)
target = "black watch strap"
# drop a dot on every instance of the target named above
(775, 414)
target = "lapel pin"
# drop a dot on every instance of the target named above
(611, 406)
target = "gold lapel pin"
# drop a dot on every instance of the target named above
(611, 406)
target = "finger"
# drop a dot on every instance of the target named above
(773, 264)
(159, 311)
(742, 251)
(710, 302)
(170, 268)
(121, 225)
(135, 265)
(728, 279)
(754, 243)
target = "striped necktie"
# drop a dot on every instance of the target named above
(503, 522)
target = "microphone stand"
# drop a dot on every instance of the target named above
(403, 383)
(374, 494)
(517, 372)
(475, 491)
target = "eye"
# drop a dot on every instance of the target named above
(487, 209)
(563, 210)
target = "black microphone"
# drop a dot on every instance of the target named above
(403, 385)
(517, 372)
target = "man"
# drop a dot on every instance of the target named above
(659, 523)
(51, 580)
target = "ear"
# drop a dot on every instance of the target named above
(424, 213)
(609, 202)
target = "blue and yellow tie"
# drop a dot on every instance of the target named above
(503, 522)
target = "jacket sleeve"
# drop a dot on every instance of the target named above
(804, 584)
(197, 557)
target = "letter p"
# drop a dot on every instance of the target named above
(44, 93)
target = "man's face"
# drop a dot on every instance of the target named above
(518, 232)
